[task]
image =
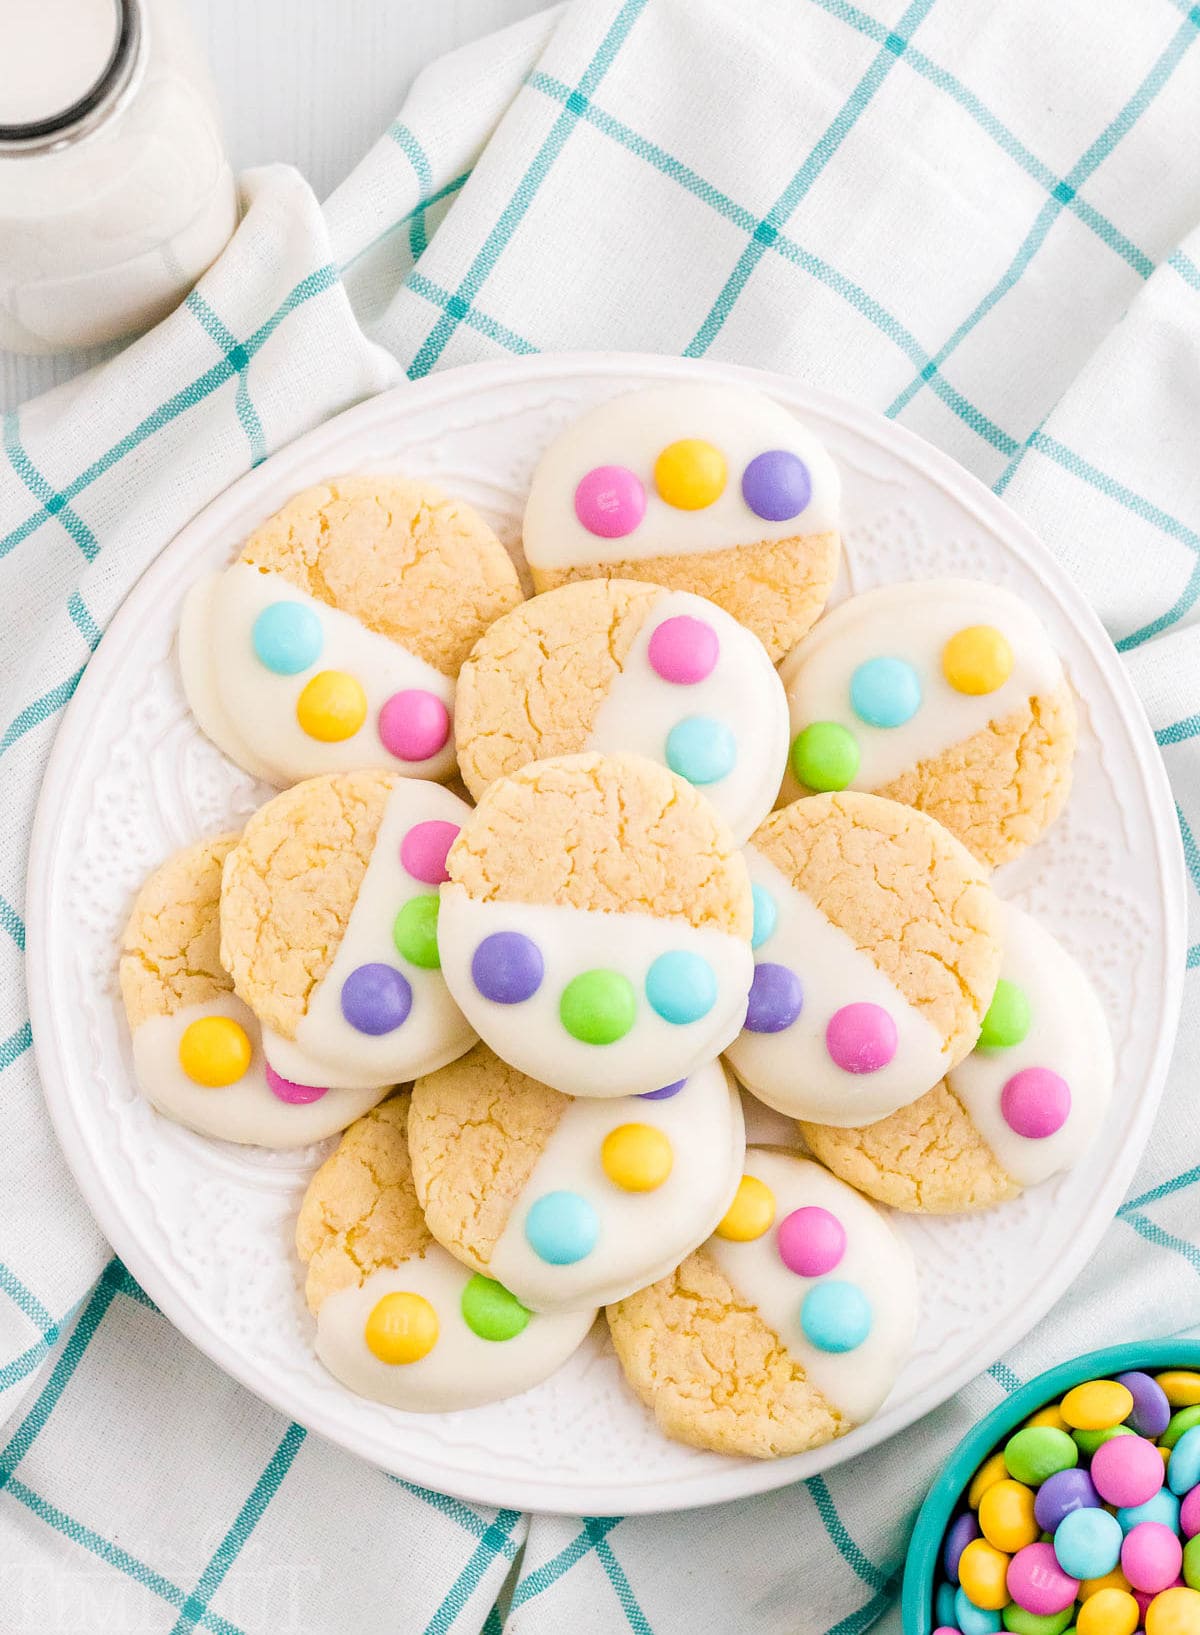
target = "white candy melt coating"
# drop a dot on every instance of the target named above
(643, 1235)
(531, 1036)
(1068, 1034)
(462, 1370)
(435, 1031)
(914, 622)
(743, 692)
(247, 1111)
(633, 431)
(793, 1071)
(855, 1382)
(250, 712)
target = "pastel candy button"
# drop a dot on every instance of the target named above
(751, 1212)
(835, 1316)
(970, 1619)
(885, 692)
(214, 1051)
(1183, 1471)
(401, 1328)
(776, 485)
(681, 986)
(637, 1157)
(561, 1228)
(690, 474)
(811, 1241)
(776, 999)
(331, 707)
(1127, 1470)
(1035, 1103)
(977, 660)
(1037, 1583)
(376, 998)
(415, 931)
(683, 650)
(1008, 1018)
(701, 749)
(1151, 1557)
(490, 1311)
(861, 1038)
(598, 1007)
(287, 638)
(610, 501)
(825, 756)
(766, 915)
(507, 968)
(296, 1095)
(424, 849)
(413, 724)
(1087, 1543)
(665, 1094)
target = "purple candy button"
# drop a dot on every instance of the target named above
(776, 485)
(508, 967)
(296, 1095)
(960, 1534)
(1061, 1493)
(665, 1094)
(776, 999)
(1151, 1410)
(376, 998)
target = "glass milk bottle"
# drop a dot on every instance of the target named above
(115, 193)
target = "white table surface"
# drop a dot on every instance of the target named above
(312, 82)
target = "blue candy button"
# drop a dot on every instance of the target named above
(972, 1620)
(835, 1316)
(765, 915)
(1183, 1472)
(562, 1228)
(287, 638)
(681, 987)
(885, 692)
(1163, 1507)
(701, 750)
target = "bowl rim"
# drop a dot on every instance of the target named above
(925, 1546)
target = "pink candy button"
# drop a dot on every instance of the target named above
(296, 1095)
(1035, 1103)
(1189, 1513)
(683, 650)
(424, 848)
(810, 1241)
(1151, 1555)
(1127, 1470)
(861, 1038)
(413, 725)
(1037, 1583)
(610, 501)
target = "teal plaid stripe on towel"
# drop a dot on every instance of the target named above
(980, 219)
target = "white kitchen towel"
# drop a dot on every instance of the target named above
(980, 219)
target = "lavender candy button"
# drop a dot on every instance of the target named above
(960, 1534)
(776, 485)
(776, 999)
(665, 1094)
(507, 967)
(376, 998)
(1151, 1410)
(1061, 1493)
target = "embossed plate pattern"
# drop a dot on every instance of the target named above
(206, 1227)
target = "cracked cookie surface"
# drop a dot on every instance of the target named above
(170, 956)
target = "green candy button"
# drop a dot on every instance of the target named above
(490, 1311)
(1181, 1421)
(598, 1007)
(1088, 1441)
(1019, 1622)
(825, 756)
(1037, 1452)
(415, 931)
(1008, 1017)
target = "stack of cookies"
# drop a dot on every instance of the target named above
(557, 890)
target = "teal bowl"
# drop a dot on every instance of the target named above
(924, 1552)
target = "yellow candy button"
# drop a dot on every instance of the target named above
(983, 1573)
(690, 474)
(977, 659)
(750, 1213)
(1048, 1416)
(1006, 1517)
(991, 1471)
(1182, 1387)
(636, 1157)
(402, 1328)
(214, 1050)
(1115, 1580)
(1108, 1612)
(1097, 1404)
(1174, 1612)
(331, 707)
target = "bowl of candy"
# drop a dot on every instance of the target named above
(1074, 1505)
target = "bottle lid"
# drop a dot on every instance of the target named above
(63, 64)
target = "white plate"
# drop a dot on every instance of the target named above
(207, 1228)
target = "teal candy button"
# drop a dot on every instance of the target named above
(287, 638)
(681, 987)
(885, 692)
(701, 750)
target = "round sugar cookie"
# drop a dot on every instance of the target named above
(595, 928)
(329, 928)
(334, 641)
(711, 489)
(611, 665)
(571, 1202)
(398, 1319)
(786, 1329)
(944, 694)
(877, 948)
(197, 1048)
(1024, 1105)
